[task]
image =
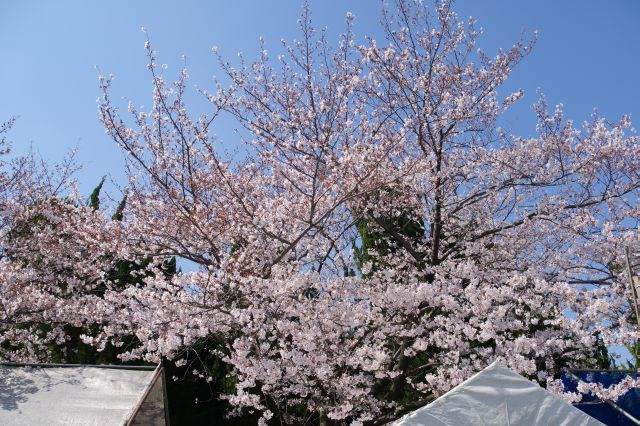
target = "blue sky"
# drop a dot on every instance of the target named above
(587, 56)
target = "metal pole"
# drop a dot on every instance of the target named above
(635, 300)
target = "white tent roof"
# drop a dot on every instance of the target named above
(497, 396)
(82, 395)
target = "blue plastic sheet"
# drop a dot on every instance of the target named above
(629, 402)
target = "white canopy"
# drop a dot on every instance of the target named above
(79, 395)
(497, 396)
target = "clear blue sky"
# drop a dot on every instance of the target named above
(586, 57)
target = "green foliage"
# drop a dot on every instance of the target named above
(603, 359)
(94, 198)
(377, 242)
(119, 214)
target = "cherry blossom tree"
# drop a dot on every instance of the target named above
(378, 238)
(55, 256)
(31, 293)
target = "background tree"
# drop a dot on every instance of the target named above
(47, 253)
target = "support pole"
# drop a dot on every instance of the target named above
(635, 300)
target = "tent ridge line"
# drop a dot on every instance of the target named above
(105, 366)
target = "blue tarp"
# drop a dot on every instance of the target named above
(630, 402)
